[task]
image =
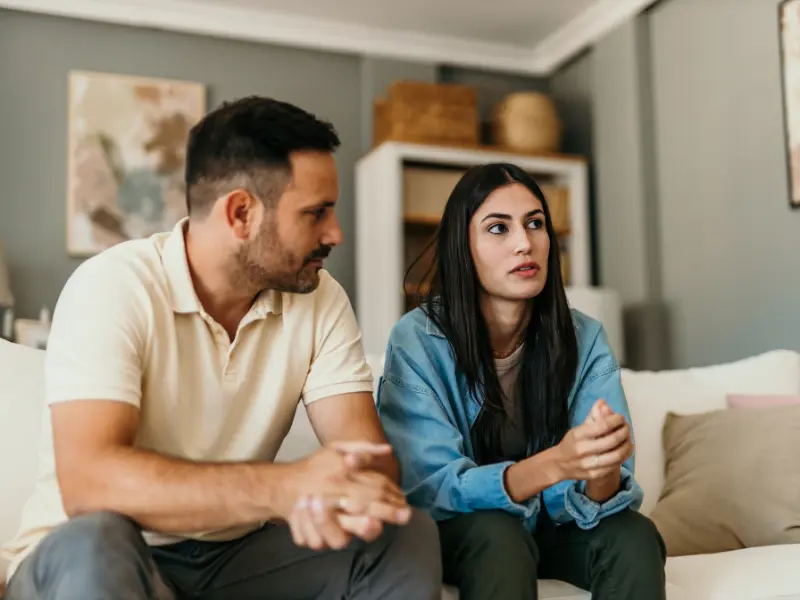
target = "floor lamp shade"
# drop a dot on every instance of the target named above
(604, 305)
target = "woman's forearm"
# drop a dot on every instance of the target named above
(533, 475)
(603, 489)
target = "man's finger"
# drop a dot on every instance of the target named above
(356, 447)
(327, 527)
(366, 528)
(379, 481)
(295, 528)
(358, 460)
(305, 521)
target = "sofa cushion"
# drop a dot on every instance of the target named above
(558, 590)
(768, 573)
(761, 401)
(21, 404)
(728, 479)
(652, 394)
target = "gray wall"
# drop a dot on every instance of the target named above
(571, 90)
(730, 244)
(693, 223)
(619, 161)
(38, 52)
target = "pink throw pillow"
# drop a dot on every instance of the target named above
(752, 401)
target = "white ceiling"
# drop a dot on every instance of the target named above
(527, 36)
(516, 22)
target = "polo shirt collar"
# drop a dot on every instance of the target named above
(182, 293)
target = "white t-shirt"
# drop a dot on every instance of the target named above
(128, 327)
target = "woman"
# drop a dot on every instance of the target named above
(507, 414)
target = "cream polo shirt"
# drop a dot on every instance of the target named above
(128, 327)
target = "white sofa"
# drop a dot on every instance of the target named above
(751, 574)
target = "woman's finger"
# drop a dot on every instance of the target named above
(595, 429)
(607, 442)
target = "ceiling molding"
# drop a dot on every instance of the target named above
(252, 24)
(583, 31)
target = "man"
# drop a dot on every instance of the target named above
(174, 368)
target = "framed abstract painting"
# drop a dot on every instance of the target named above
(789, 19)
(126, 156)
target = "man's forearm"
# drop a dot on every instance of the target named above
(603, 489)
(174, 496)
(388, 465)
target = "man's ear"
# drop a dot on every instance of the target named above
(241, 212)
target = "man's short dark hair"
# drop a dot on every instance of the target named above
(247, 144)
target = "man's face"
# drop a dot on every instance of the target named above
(298, 233)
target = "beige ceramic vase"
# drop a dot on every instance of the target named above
(527, 122)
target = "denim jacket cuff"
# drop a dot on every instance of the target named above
(488, 482)
(588, 513)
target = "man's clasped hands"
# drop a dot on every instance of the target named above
(338, 494)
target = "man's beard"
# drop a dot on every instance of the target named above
(279, 274)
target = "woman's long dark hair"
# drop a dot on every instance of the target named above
(450, 295)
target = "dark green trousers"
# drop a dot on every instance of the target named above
(489, 555)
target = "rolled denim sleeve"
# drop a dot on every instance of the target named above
(587, 513)
(600, 379)
(437, 473)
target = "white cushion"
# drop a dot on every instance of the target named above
(652, 394)
(21, 403)
(558, 590)
(766, 573)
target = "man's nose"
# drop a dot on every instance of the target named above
(333, 233)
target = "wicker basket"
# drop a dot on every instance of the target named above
(527, 122)
(557, 198)
(422, 112)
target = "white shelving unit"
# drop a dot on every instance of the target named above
(381, 222)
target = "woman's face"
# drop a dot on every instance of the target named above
(509, 243)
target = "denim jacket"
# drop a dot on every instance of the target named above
(427, 413)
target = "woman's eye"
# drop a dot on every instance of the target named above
(536, 223)
(497, 228)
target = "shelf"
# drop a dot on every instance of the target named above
(417, 288)
(489, 149)
(424, 220)
(401, 191)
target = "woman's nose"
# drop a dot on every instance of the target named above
(522, 243)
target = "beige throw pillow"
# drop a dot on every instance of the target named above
(732, 480)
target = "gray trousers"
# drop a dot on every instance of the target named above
(103, 556)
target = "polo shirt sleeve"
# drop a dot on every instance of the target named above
(338, 364)
(97, 335)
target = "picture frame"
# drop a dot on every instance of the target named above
(126, 156)
(789, 36)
